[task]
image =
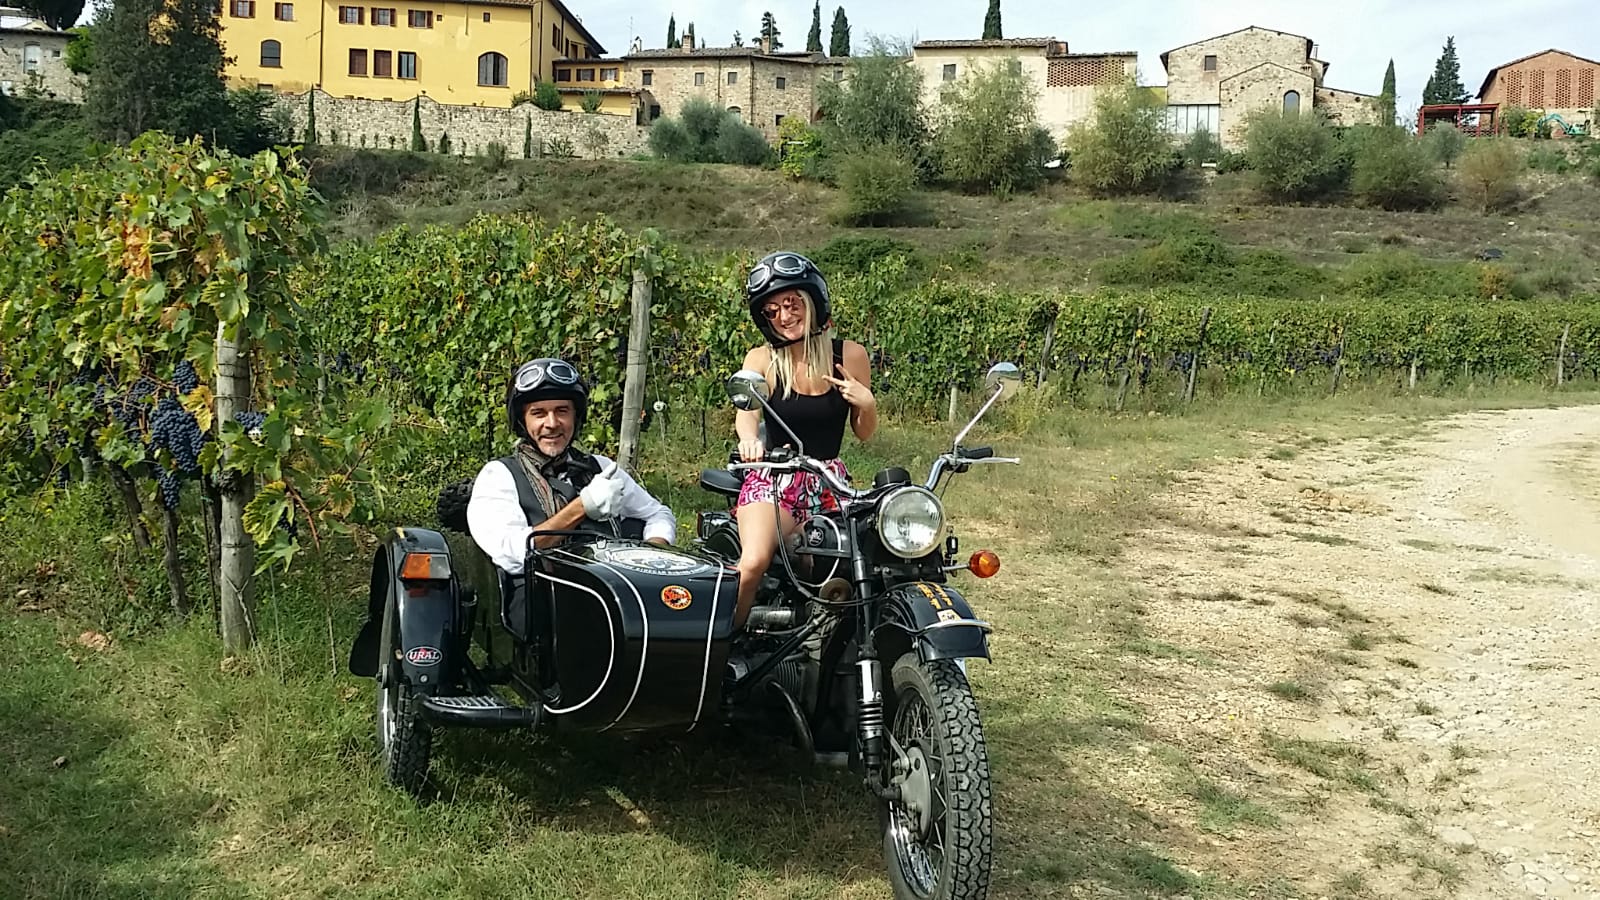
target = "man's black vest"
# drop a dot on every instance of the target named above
(581, 468)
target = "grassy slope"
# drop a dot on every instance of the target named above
(148, 771)
(1055, 237)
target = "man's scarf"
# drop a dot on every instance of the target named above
(573, 465)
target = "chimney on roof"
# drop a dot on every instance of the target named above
(688, 43)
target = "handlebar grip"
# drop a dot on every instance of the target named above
(780, 455)
(977, 453)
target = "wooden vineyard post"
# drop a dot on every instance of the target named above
(1414, 360)
(1561, 356)
(1194, 361)
(1127, 364)
(1338, 364)
(955, 394)
(1049, 343)
(238, 551)
(633, 384)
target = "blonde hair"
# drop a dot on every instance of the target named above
(818, 353)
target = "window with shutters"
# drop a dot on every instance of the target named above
(384, 17)
(609, 74)
(382, 64)
(243, 9)
(419, 18)
(352, 15)
(358, 62)
(283, 12)
(271, 54)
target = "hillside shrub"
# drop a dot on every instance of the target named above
(989, 137)
(545, 96)
(1204, 261)
(1295, 157)
(41, 135)
(1445, 143)
(801, 150)
(879, 104)
(854, 254)
(1124, 148)
(1201, 147)
(1393, 274)
(878, 187)
(704, 133)
(1396, 172)
(1490, 174)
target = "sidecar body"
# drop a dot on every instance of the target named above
(599, 634)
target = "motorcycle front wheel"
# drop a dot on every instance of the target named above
(938, 837)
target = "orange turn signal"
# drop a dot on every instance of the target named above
(425, 566)
(984, 564)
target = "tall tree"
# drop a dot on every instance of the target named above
(165, 79)
(672, 32)
(1386, 100)
(1445, 86)
(814, 36)
(769, 31)
(738, 39)
(58, 14)
(839, 44)
(991, 22)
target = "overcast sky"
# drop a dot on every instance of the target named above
(1356, 37)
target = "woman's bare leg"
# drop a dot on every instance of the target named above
(758, 540)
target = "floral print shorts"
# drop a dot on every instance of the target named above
(801, 493)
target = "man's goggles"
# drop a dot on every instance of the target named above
(787, 265)
(537, 373)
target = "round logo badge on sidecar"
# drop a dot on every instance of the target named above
(424, 656)
(676, 596)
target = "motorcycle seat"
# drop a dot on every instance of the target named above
(721, 481)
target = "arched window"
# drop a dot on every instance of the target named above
(1291, 102)
(271, 55)
(736, 111)
(492, 70)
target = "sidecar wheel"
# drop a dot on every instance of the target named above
(405, 741)
(938, 839)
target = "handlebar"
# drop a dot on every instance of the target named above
(973, 454)
(785, 459)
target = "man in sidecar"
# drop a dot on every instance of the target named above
(547, 484)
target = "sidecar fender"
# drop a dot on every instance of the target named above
(933, 619)
(426, 607)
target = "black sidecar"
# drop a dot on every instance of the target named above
(600, 634)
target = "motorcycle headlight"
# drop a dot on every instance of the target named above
(910, 522)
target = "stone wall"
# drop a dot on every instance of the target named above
(53, 78)
(384, 124)
(1348, 107)
(753, 91)
(1261, 87)
(1188, 82)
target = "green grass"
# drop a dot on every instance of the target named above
(184, 780)
(1289, 690)
(1223, 809)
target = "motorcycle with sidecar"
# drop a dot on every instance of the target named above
(857, 643)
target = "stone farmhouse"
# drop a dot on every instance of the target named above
(1553, 81)
(1212, 84)
(33, 57)
(1067, 83)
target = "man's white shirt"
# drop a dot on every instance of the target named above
(501, 529)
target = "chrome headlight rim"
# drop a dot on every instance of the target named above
(885, 507)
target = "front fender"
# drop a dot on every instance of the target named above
(426, 611)
(932, 619)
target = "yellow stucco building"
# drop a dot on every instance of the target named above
(481, 53)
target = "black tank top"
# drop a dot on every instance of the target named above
(817, 419)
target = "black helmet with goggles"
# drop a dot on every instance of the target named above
(545, 378)
(784, 271)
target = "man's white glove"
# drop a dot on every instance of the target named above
(602, 499)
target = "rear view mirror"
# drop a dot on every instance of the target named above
(747, 389)
(1004, 377)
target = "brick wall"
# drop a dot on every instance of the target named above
(374, 123)
(1550, 82)
(54, 78)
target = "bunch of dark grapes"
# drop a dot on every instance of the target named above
(169, 488)
(252, 421)
(184, 377)
(286, 522)
(172, 427)
(130, 408)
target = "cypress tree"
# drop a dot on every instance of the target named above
(991, 22)
(672, 32)
(814, 36)
(311, 117)
(839, 45)
(1386, 100)
(418, 143)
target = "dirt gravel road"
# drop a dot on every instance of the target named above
(1393, 643)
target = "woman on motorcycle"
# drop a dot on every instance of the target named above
(818, 382)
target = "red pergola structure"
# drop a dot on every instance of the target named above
(1471, 119)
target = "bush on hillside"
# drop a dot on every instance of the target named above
(879, 187)
(545, 96)
(1202, 147)
(880, 104)
(1200, 259)
(42, 135)
(705, 133)
(853, 254)
(1124, 148)
(989, 137)
(1445, 143)
(1490, 174)
(1295, 157)
(801, 150)
(1394, 171)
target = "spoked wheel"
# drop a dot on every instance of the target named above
(938, 837)
(404, 739)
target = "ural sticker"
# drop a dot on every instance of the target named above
(676, 596)
(424, 656)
